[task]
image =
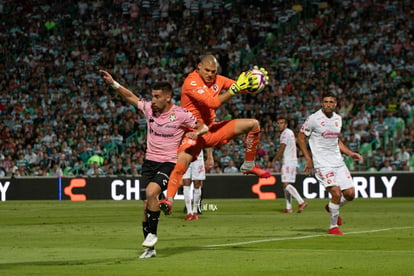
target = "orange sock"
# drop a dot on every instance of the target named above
(251, 141)
(175, 180)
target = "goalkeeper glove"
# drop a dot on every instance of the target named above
(243, 83)
(255, 79)
(264, 71)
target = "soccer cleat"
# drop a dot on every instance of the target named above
(286, 211)
(148, 253)
(335, 231)
(189, 217)
(150, 240)
(339, 217)
(166, 207)
(257, 171)
(301, 207)
(195, 216)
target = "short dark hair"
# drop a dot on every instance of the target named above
(328, 94)
(281, 118)
(164, 86)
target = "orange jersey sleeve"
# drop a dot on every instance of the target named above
(202, 99)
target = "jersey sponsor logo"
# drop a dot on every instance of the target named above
(200, 91)
(160, 134)
(322, 123)
(330, 135)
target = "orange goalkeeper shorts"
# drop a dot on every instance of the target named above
(218, 134)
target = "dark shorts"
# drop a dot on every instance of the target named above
(155, 172)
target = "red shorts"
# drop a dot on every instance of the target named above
(218, 134)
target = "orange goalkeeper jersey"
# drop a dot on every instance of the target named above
(202, 99)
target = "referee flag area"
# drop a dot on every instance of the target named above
(236, 237)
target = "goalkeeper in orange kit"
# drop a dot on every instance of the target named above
(200, 94)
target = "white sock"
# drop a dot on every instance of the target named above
(288, 198)
(292, 190)
(247, 165)
(196, 199)
(334, 213)
(187, 198)
(343, 201)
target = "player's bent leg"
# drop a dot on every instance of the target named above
(349, 194)
(252, 129)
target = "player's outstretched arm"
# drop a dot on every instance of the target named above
(125, 93)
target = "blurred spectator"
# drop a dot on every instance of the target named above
(216, 169)
(230, 167)
(386, 166)
(353, 144)
(403, 155)
(94, 170)
(56, 170)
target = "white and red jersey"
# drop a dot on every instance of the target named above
(165, 131)
(323, 133)
(287, 137)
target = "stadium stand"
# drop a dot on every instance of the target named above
(53, 101)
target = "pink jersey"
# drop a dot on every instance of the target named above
(165, 131)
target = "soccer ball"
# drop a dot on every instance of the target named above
(261, 78)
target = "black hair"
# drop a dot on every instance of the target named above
(164, 86)
(328, 94)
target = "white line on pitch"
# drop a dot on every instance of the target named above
(305, 237)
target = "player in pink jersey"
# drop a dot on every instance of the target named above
(167, 124)
(323, 129)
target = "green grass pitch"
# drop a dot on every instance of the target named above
(241, 237)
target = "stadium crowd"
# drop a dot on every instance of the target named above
(57, 117)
